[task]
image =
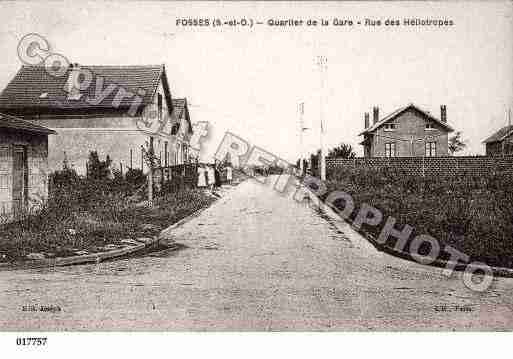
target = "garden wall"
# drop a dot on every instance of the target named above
(429, 166)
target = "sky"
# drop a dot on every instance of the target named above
(250, 81)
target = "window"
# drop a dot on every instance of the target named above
(430, 126)
(159, 103)
(430, 149)
(389, 127)
(390, 149)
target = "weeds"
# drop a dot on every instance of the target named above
(89, 213)
(473, 214)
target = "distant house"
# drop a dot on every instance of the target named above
(114, 110)
(406, 132)
(500, 143)
(23, 165)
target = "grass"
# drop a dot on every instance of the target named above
(473, 214)
(89, 215)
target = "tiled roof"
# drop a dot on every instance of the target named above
(181, 109)
(15, 123)
(400, 111)
(34, 87)
(500, 135)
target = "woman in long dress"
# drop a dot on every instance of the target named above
(202, 177)
(210, 177)
(217, 175)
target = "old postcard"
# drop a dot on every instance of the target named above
(255, 166)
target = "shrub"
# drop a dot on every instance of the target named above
(135, 177)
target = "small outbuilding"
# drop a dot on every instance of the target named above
(23, 165)
(500, 143)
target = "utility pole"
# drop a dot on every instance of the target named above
(322, 64)
(301, 112)
(302, 128)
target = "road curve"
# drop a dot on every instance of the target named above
(255, 260)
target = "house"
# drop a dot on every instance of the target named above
(23, 165)
(500, 143)
(182, 131)
(407, 132)
(114, 110)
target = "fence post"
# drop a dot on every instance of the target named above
(150, 175)
(142, 158)
(423, 168)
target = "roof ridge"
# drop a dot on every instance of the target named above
(391, 115)
(508, 129)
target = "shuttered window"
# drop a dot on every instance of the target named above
(390, 149)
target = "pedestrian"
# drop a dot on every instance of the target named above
(229, 174)
(202, 176)
(210, 177)
(217, 176)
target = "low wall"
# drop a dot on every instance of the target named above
(429, 166)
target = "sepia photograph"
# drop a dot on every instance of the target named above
(250, 166)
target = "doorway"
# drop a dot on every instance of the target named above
(20, 180)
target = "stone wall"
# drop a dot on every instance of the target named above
(37, 153)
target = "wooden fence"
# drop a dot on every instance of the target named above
(177, 175)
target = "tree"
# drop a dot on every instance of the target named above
(314, 163)
(456, 144)
(344, 150)
(97, 169)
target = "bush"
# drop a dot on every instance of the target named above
(89, 215)
(66, 177)
(135, 177)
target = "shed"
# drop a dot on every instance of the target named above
(23, 165)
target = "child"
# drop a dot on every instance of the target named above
(229, 174)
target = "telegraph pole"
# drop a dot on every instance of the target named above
(301, 128)
(322, 64)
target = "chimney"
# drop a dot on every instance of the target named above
(72, 86)
(443, 113)
(366, 119)
(375, 114)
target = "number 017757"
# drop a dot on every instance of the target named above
(31, 341)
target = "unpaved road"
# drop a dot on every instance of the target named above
(255, 260)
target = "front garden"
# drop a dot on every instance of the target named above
(87, 214)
